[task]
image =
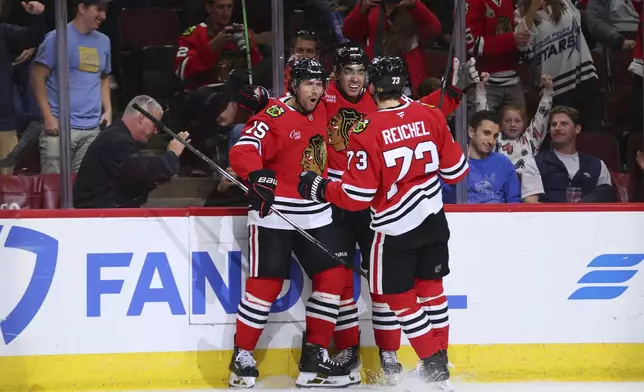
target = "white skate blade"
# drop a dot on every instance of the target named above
(236, 382)
(317, 380)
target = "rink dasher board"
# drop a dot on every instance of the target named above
(149, 298)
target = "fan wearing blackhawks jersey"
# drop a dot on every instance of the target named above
(396, 156)
(288, 137)
(347, 101)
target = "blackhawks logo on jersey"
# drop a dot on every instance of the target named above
(360, 126)
(339, 127)
(275, 111)
(314, 155)
(503, 26)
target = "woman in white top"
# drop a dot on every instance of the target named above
(558, 48)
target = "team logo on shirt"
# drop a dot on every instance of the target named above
(360, 126)
(314, 155)
(339, 126)
(275, 111)
(503, 26)
(489, 12)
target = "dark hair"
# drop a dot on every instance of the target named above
(428, 86)
(305, 35)
(387, 96)
(484, 115)
(568, 111)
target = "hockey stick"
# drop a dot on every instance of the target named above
(450, 55)
(243, 187)
(30, 136)
(247, 37)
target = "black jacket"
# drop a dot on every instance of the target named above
(114, 175)
(15, 39)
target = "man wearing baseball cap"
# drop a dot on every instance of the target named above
(90, 107)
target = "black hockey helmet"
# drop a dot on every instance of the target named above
(305, 69)
(349, 55)
(387, 74)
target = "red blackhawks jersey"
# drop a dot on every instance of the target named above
(396, 157)
(287, 142)
(200, 65)
(489, 36)
(342, 115)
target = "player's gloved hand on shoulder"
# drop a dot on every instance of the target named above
(312, 186)
(261, 191)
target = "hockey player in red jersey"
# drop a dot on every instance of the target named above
(347, 101)
(288, 137)
(396, 156)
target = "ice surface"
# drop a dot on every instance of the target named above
(466, 387)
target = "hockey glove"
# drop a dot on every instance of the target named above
(261, 191)
(312, 186)
(464, 76)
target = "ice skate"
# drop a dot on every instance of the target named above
(433, 370)
(391, 368)
(350, 359)
(317, 370)
(243, 369)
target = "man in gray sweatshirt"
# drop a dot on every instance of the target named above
(612, 23)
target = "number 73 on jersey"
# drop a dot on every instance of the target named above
(402, 159)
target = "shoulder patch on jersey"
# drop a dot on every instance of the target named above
(360, 126)
(427, 105)
(275, 111)
(190, 30)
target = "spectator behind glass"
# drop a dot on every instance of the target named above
(637, 68)
(209, 51)
(90, 61)
(636, 186)
(15, 39)
(245, 103)
(558, 48)
(490, 38)
(564, 167)
(492, 177)
(114, 174)
(303, 45)
(517, 141)
(609, 21)
(394, 28)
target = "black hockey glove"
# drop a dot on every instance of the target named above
(312, 186)
(261, 191)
